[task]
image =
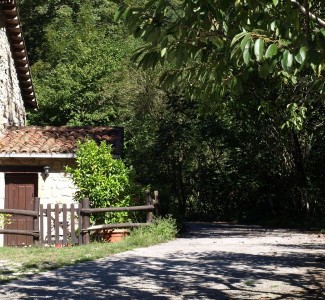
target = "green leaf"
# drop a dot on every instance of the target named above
(273, 26)
(246, 53)
(235, 51)
(217, 41)
(301, 55)
(275, 2)
(118, 14)
(287, 60)
(163, 52)
(283, 42)
(237, 37)
(259, 49)
(271, 51)
(244, 41)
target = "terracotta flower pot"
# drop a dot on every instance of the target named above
(114, 235)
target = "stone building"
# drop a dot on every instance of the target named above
(32, 158)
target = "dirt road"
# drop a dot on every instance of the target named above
(211, 261)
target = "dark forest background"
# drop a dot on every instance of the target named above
(241, 161)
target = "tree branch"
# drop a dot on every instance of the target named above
(307, 21)
(304, 11)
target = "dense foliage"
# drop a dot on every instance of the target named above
(262, 61)
(102, 179)
(227, 118)
(76, 69)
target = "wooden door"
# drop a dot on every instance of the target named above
(20, 192)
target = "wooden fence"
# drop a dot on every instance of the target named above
(30, 213)
(58, 225)
(63, 225)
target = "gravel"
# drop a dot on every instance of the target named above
(210, 261)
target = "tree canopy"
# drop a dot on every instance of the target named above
(262, 61)
(79, 60)
(215, 46)
(234, 129)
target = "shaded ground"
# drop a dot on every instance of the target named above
(212, 261)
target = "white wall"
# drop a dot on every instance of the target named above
(56, 188)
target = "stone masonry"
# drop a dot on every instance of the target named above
(12, 110)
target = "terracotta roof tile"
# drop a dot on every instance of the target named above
(56, 140)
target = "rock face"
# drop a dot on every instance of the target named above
(12, 110)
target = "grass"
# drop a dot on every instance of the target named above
(16, 262)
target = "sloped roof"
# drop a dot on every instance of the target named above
(18, 48)
(29, 141)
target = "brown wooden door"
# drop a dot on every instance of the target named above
(20, 192)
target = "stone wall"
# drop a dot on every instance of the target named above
(12, 110)
(57, 188)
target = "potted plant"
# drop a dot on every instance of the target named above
(102, 179)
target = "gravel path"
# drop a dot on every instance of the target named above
(212, 261)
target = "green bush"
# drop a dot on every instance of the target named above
(102, 179)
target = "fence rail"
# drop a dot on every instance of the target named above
(118, 209)
(59, 225)
(29, 213)
(113, 226)
(149, 208)
(21, 232)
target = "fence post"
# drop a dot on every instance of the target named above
(79, 224)
(85, 222)
(57, 225)
(37, 218)
(41, 224)
(49, 223)
(64, 225)
(149, 202)
(74, 240)
(156, 201)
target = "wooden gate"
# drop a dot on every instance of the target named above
(19, 194)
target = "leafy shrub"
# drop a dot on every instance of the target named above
(102, 179)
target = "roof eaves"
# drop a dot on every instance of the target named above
(37, 155)
(17, 43)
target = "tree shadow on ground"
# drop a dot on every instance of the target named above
(181, 274)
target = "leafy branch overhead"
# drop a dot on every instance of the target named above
(215, 46)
